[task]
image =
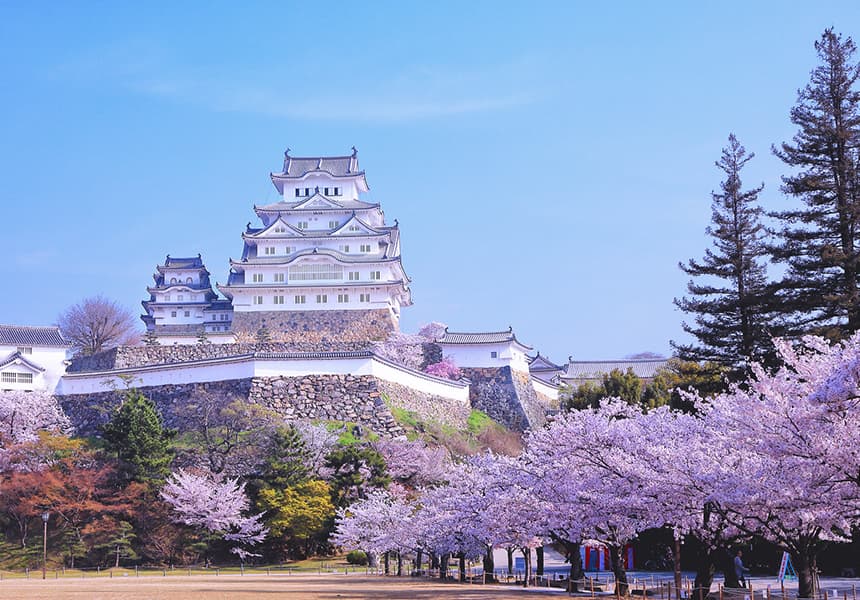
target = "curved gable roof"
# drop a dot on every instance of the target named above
(19, 335)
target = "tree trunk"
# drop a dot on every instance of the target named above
(386, 565)
(676, 564)
(489, 564)
(539, 553)
(616, 558)
(527, 556)
(372, 559)
(434, 560)
(574, 557)
(804, 562)
(510, 552)
(705, 568)
(117, 557)
(462, 558)
(443, 566)
(419, 556)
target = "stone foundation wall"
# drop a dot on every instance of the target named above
(427, 406)
(312, 397)
(327, 397)
(315, 325)
(139, 356)
(507, 396)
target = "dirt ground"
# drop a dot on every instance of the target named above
(295, 587)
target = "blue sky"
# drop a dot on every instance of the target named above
(549, 163)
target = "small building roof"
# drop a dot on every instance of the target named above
(543, 363)
(194, 262)
(595, 369)
(20, 358)
(21, 335)
(485, 337)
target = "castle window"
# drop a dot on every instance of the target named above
(325, 191)
(302, 225)
(172, 313)
(494, 354)
(315, 272)
(223, 317)
(353, 275)
(173, 280)
(307, 191)
(279, 299)
(322, 298)
(187, 313)
(364, 298)
(17, 377)
(258, 299)
(25, 349)
(300, 300)
(365, 247)
(343, 298)
(180, 297)
(167, 297)
(257, 278)
(297, 192)
(289, 250)
(375, 275)
(278, 277)
(353, 228)
(333, 224)
(344, 247)
(188, 280)
(269, 250)
(337, 191)
(214, 317)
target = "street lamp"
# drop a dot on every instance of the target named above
(45, 516)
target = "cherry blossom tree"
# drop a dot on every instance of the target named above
(446, 368)
(215, 505)
(414, 464)
(22, 416)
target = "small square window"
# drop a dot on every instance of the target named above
(25, 349)
(187, 313)
(300, 300)
(297, 192)
(172, 313)
(494, 354)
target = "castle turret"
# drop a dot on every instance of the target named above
(182, 305)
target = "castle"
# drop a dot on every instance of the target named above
(319, 286)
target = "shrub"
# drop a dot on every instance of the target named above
(356, 557)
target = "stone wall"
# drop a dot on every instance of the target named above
(88, 411)
(327, 397)
(312, 397)
(427, 406)
(138, 356)
(507, 396)
(316, 325)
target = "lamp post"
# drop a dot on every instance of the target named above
(45, 516)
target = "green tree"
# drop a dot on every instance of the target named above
(727, 297)
(819, 241)
(624, 385)
(286, 461)
(679, 376)
(137, 437)
(299, 516)
(356, 469)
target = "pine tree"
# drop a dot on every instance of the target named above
(726, 295)
(150, 339)
(819, 242)
(137, 437)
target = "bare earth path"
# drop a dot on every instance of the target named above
(295, 587)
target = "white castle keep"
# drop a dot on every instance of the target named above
(319, 248)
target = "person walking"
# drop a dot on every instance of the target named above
(740, 569)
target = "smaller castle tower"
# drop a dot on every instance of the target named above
(182, 306)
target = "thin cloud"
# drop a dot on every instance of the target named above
(421, 93)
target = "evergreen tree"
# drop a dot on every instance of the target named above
(726, 295)
(263, 335)
(202, 338)
(150, 339)
(137, 437)
(819, 242)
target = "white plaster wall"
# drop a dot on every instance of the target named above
(543, 388)
(247, 367)
(480, 355)
(379, 299)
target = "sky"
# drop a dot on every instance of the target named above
(549, 163)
